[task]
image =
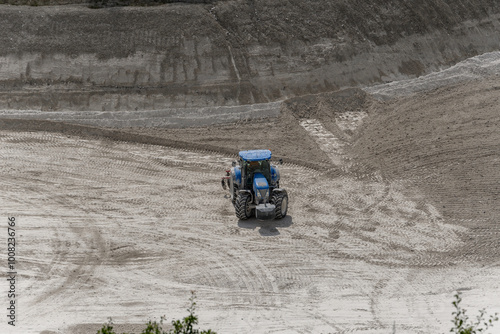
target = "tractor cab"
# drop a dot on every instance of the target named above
(254, 186)
(253, 162)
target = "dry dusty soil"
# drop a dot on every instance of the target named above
(117, 123)
(394, 205)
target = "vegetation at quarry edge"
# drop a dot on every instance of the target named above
(462, 324)
(184, 326)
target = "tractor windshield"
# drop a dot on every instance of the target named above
(252, 167)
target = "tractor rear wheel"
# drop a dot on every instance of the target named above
(280, 200)
(242, 206)
(234, 196)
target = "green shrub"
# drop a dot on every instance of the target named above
(462, 324)
(184, 326)
(107, 328)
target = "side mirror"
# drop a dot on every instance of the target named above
(281, 161)
(233, 163)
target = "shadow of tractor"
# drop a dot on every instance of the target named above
(267, 228)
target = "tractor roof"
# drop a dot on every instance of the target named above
(255, 155)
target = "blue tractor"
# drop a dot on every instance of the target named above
(254, 184)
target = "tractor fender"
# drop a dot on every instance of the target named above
(275, 174)
(236, 175)
(279, 190)
(248, 192)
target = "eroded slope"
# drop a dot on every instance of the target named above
(229, 52)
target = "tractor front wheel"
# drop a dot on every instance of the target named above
(242, 206)
(280, 200)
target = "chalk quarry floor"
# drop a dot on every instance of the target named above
(126, 230)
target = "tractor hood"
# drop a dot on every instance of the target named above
(260, 182)
(260, 188)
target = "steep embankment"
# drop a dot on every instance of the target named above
(446, 142)
(228, 52)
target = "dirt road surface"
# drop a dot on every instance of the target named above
(126, 231)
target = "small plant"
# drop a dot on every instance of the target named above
(462, 324)
(184, 326)
(153, 327)
(107, 328)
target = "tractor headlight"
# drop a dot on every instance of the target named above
(258, 195)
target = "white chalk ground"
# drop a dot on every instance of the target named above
(478, 67)
(111, 229)
(166, 118)
(327, 142)
(127, 231)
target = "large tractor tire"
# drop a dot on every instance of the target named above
(233, 194)
(280, 200)
(242, 206)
